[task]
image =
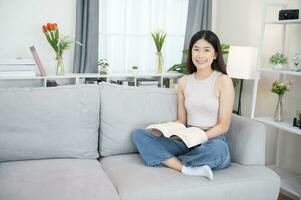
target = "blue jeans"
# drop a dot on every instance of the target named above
(154, 150)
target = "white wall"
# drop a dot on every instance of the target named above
(238, 22)
(21, 22)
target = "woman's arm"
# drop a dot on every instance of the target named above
(225, 88)
(181, 106)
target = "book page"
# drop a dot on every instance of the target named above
(167, 128)
(191, 136)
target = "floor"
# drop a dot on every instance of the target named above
(283, 197)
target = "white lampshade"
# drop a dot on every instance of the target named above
(241, 62)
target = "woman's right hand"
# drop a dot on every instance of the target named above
(156, 132)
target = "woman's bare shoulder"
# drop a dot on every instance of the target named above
(182, 82)
(225, 81)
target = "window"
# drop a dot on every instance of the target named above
(125, 28)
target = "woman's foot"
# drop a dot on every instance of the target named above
(204, 170)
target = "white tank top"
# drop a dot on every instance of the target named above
(201, 102)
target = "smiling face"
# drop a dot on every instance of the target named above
(203, 54)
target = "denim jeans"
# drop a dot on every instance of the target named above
(154, 150)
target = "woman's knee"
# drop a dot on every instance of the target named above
(219, 148)
(138, 135)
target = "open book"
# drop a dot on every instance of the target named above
(191, 136)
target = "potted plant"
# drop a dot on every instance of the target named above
(278, 60)
(135, 69)
(159, 38)
(103, 66)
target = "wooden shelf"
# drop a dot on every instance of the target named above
(287, 72)
(290, 181)
(286, 126)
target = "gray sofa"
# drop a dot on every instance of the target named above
(73, 143)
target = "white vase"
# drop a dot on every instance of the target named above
(278, 66)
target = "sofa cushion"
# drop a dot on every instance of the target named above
(125, 108)
(55, 179)
(134, 181)
(56, 122)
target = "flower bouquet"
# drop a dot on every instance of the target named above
(279, 88)
(58, 43)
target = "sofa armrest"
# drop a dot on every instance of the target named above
(246, 139)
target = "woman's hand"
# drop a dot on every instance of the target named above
(156, 132)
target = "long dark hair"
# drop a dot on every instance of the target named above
(218, 64)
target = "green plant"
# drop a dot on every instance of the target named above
(103, 63)
(300, 117)
(278, 58)
(279, 88)
(159, 38)
(225, 48)
(180, 68)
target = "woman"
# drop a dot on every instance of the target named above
(205, 100)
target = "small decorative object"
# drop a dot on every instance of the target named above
(103, 66)
(297, 119)
(288, 14)
(296, 62)
(159, 38)
(280, 88)
(58, 43)
(278, 60)
(135, 69)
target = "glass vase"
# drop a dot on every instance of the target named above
(278, 116)
(159, 62)
(59, 65)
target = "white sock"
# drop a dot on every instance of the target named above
(204, 170)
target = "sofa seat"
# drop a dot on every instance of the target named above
(55, 179)
(134, 181)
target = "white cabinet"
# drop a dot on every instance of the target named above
(290, 182)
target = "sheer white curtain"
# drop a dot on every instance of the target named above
(125, 28)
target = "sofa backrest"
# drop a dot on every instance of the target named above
(124, 109)
(58, 122)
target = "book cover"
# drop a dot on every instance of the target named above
(38, 61)
(191, 136)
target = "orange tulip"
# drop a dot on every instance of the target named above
(54, 26)
(45, 29)
(51, 26)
